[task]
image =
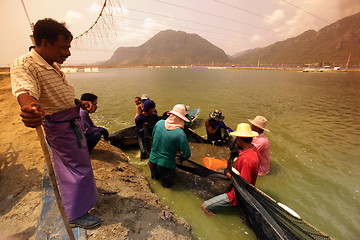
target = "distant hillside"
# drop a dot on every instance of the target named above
(331, 44)
(170, 48)
(236, 55)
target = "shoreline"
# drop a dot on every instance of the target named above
(6, 70)
(127, 206)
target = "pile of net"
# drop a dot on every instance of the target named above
(268, 218)
(204, 182)
(273, 216)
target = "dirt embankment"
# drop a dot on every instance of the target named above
(126, 204)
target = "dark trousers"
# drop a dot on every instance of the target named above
(145, 141)
(92, 140)
(166, 175)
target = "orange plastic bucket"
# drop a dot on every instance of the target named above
(214, 164)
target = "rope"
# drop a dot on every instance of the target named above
(27, 15)
(96, 21)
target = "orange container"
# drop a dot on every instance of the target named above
(214, 164)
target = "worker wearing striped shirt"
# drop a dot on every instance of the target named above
(45, 97)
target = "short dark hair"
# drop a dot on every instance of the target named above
(50, 29)
(88, 97)
(247, 139)
(149, 104)
(138, 98)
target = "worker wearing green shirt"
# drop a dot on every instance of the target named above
(168, 140)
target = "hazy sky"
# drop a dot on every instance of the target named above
(232, 25)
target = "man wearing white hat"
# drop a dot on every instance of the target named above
(247, 165)
(143, 98)
(261, 142)
(168, 140)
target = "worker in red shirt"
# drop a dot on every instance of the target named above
(247, 165)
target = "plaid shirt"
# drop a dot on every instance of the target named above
(33, 75)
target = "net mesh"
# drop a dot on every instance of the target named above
(202, 181)
(264, 226)
(267, 218)
(295, 228)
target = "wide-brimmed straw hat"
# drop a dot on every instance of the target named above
(180, 111)
(260, 122)
(216, 115)
(244, 130)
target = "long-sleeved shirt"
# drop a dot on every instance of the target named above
(262, 143)
(87, 124)
(166, 144)
(141, 119)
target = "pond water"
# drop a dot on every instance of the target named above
(314, 120)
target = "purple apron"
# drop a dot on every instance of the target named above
(71, 162)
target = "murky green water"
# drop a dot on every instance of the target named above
(315, 136)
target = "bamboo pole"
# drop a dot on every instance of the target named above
(52, 176)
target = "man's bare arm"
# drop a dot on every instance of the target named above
(86, 105)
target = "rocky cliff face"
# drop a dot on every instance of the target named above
(331, 44)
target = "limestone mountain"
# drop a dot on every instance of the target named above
(170, 48)
(332, 44)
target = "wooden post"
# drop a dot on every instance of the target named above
(52, 176)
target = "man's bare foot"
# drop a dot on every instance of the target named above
(206, 211)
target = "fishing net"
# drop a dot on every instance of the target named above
(203, 182)
(103, 32)
(268, 219)
(206, 184)
(264, 226)
(293, 226)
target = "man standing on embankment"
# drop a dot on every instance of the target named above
(46, 98)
